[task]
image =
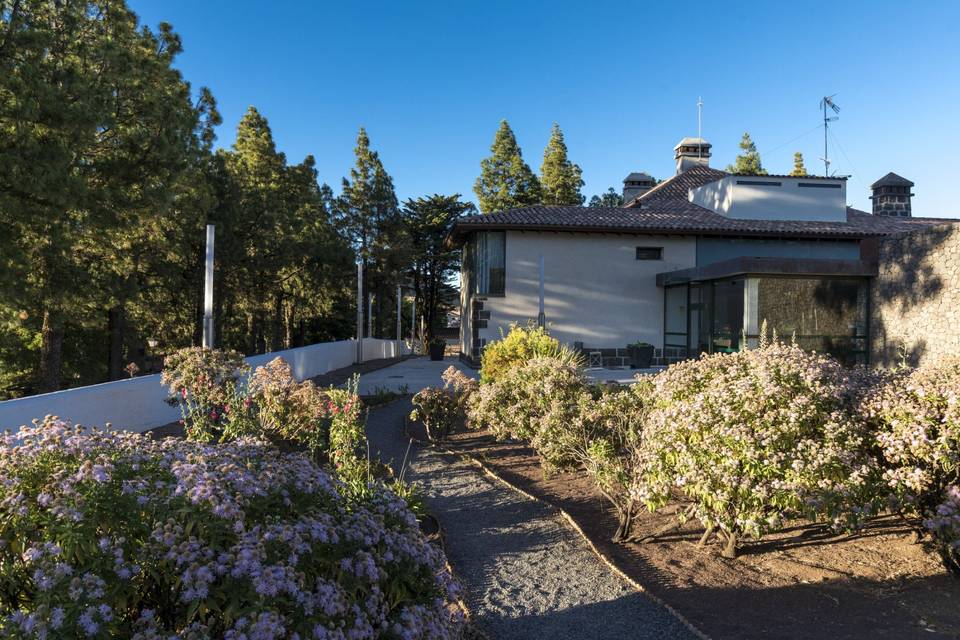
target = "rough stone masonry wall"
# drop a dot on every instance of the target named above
(915, 300)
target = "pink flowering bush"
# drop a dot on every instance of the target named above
(441, 408)
(916, 416)
(754, 438)
(117, 535)
(208, 386)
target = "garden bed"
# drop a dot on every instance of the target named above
(801, 583)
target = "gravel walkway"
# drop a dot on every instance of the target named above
(526, 573)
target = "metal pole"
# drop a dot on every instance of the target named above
(360, 312)
(369, 315)
(399, 317)
(208, 292)
(413, 320)
(541, 318)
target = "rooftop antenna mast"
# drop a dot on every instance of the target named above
(699, 135)
(827, 102)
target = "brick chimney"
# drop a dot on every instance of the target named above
(691, 152)
(636, 184)
(891, 196)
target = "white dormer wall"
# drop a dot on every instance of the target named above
(775, 198)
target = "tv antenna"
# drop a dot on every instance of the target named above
(825, 103)
(699, 135)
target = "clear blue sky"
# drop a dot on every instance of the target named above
(431, 81)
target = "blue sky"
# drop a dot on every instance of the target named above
(431, 80)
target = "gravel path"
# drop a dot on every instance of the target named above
(526, 573)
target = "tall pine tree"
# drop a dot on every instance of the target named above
(798, 169)
(560, 179)
(506, 181)
(748, 162)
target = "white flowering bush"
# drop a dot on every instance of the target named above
(113, 535)
(754, 438)
(916, 416)
(534, 403)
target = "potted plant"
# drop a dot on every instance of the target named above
(640, 354)
(437, 346)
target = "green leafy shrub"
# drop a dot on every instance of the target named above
(208, 386)
(916, 416)
(755, 437)
(118, 535)
(519, 346)
(441, 408)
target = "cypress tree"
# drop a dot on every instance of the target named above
(798, 169)
(505, 181)
(748, 162)
(560, 179)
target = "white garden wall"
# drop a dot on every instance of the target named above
(138, 404)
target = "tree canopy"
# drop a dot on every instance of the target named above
(505, 180)
(612, 198)
(748, 162)
(560, 179)
(799, 169)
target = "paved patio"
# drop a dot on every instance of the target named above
(421, 372)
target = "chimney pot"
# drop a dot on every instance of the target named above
(891, 196)
(637, 184)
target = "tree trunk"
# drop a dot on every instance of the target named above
(115, 328)
(276, 337)
(51, 351)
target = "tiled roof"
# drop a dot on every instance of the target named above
(891, 180)
(665, 209)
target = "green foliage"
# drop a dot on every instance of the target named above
(748, 162)
(506, 181)
(799, 170)
(119, 535)
(521, 344)
(426, 222)
(612, 198)
(560, 179)
(441, 408)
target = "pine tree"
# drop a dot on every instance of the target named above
(505, 181)
(748, 162)
(611, 198)
(798, 169)
(560, 179)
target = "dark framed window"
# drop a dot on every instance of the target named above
(819, 185)
(649, 253)
(760, 183)
(489, 264)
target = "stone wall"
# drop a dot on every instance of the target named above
(915, 300)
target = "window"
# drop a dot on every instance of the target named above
(759, 183)
(649, 253)
(819, 185)
(488, 268)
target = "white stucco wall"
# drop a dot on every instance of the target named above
(138, 404)
(776, 199)
(596, 291)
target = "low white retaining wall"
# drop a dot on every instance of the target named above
(138, 404)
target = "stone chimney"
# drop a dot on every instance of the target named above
(692, 152)
(636, 184)
(891, 196)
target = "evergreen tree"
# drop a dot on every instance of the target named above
(505, 181)
(612, 198)
(798, 169)
(748, 162)
(433, 264)
(560, 179)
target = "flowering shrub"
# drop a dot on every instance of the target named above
(917, 419)
(535, 403)
(207, 384)
(296, 411)
(440, 409)
(755, 437)
(519, 346)
(118, 535)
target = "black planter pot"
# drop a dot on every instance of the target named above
(640, 357)
(436, 351)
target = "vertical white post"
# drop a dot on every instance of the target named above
(541, 318)
(413, 323)
(208, 292)
(399, 319)
(369, 315)
(360, 312)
